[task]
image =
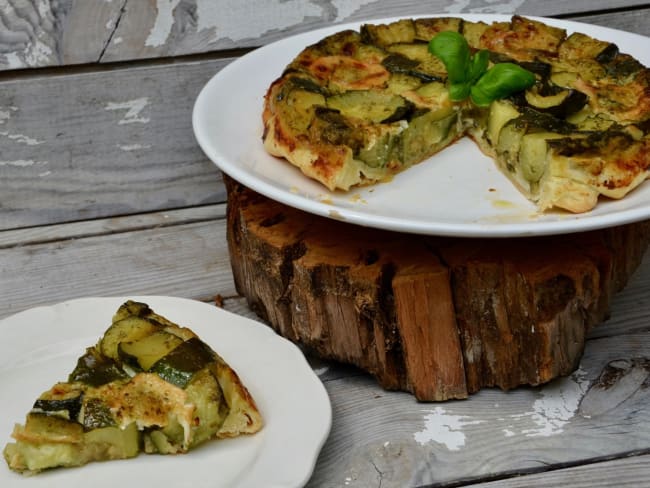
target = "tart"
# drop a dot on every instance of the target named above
(358, 107)
(148, 385)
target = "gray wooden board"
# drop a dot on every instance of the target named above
(388, 439)
(621, 473)
(188, 260)
(121, 140)
(37, 33)
(378, 437)
(602, 410)
(630, 21)
(76, 230)
(111, 142)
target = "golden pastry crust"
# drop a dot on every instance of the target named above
(358, 107)
(148, 385)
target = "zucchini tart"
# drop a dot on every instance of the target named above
(360, 106)
(147, 385)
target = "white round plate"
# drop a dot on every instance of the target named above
(40, 346)
(457, 192)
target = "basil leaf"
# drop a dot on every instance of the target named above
(452, 49)
(459, 91)
(468, 75)
(478, 65)
(501, 80)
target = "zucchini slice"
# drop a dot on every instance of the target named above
(148, 385)
(141, 354)
(178, 367)
(370, 105)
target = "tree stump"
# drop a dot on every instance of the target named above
(438, 317)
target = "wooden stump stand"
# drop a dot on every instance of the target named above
(438, 317)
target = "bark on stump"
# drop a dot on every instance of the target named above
(438, 317)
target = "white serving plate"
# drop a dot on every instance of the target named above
(457, 192)
(40, 346)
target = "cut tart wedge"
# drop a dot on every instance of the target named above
(360, 106)
(148, 385)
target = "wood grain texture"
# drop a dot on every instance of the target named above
(105, 143)
(621, 473)
(189, 260)
(629, 21)
(602, 410)
(37, 33)
(121, 139)
(383, 439)
(75, 230)
(440, 318)
(93, 229)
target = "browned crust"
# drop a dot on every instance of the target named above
(613, 174)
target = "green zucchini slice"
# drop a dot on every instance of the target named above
(147, 385)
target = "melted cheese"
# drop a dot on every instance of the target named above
(147, 400)
(343, 145)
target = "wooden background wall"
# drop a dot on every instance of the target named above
(89, 91)
(96, 98)
(38, 33)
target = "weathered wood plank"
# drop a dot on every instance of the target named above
(630, 21)
(96, 21)
(631, 307)
(119, 142)
(389, 440)
(370, 446)
(76, 230)
(188, 260)
(37, 33)
(629, 472)
(601, 410)
(94, 137)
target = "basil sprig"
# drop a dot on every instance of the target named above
(468, 74)
(499, 81)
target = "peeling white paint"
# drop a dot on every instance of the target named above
(500, 7)
(225, 22)
(345, 8)
(13, 61)
(162, 26)
(493, 6)
(4, 116)
(34, 48)
(44, 9)
(133, 147)
(558, 405)
(552, 412)
(133, 109)
(20, 138)
(444, 428)
(23, 139)
(38, 54)
(23, 163)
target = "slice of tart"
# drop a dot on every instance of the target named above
(147, 385)
(358, 107)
